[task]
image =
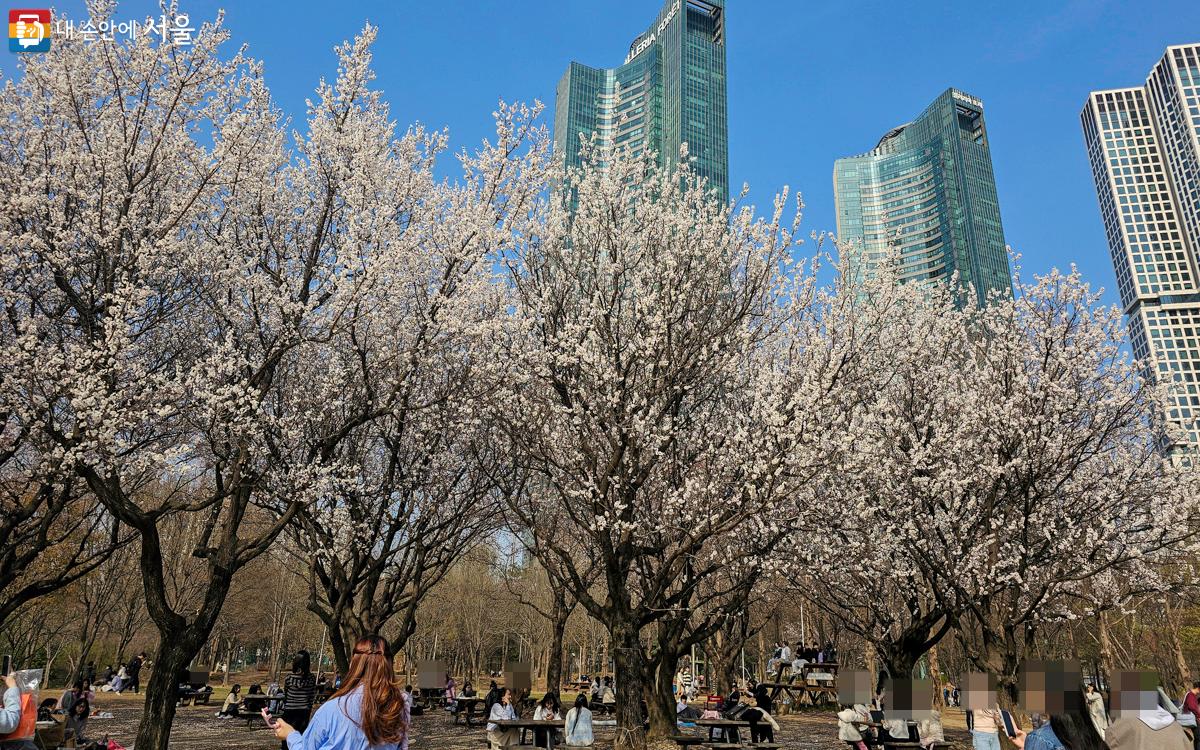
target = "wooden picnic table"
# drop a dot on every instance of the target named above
(524, 724)
(252, 706)
(464, 707)
(726, 728)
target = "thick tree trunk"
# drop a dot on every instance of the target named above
(174, 653)
(631, 682)
(554, 660)
(660, 701)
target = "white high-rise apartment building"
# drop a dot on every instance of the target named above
(1144, 146)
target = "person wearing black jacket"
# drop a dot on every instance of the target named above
(134, 669)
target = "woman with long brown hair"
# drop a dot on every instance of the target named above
(369, 712)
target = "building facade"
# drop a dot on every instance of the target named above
(1144, 147)
(927, 192)
(669, 91)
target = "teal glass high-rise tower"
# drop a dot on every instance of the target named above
(927, 192)
(669, 91)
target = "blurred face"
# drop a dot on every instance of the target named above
(506, 698)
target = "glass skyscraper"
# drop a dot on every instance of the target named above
(669, 91)
(927, 192)
(1144, 146)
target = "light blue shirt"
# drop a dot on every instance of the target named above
(335, 726)
(10, 715)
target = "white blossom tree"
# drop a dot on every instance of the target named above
(1009, 455)
(661, 397)
(212, 306)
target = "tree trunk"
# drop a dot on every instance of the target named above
(935, 675)
(1182, 674)
(660, 701)
(631, 681)
(162, 690)
(1104, 636)
(554, 661)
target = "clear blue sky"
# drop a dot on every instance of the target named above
(808, 81)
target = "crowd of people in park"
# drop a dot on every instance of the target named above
(367, 708)
(1074, 716)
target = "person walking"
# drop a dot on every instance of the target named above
(369, 711)
(299, 692)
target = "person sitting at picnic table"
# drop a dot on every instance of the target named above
(929, 729)
(579, 724)
(233, 702)
(255, 689)
(606, 693)
(852, 722)
(370, 710)
(18, 712)
(492, 697)
(468, 690)
(502, 710)
(762, 698)
(684, 712)
(547, 710)
(69, 697)
(77, 719)
(762, 724)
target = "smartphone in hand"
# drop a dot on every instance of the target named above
(267, 718)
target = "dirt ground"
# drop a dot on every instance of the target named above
(197, 728)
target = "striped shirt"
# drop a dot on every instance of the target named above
(299, 691)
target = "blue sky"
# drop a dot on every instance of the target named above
(808, 82)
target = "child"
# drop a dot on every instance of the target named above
(850, 724)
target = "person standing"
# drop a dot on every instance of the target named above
(1095, 707)
(985, 729)
(1191, 705)
(299, 692)
(135, 672)
(370, 710)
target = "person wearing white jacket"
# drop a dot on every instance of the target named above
(850, 722)
(578, 725)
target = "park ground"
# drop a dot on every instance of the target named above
(197, 728)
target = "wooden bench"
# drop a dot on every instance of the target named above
(687, 740)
